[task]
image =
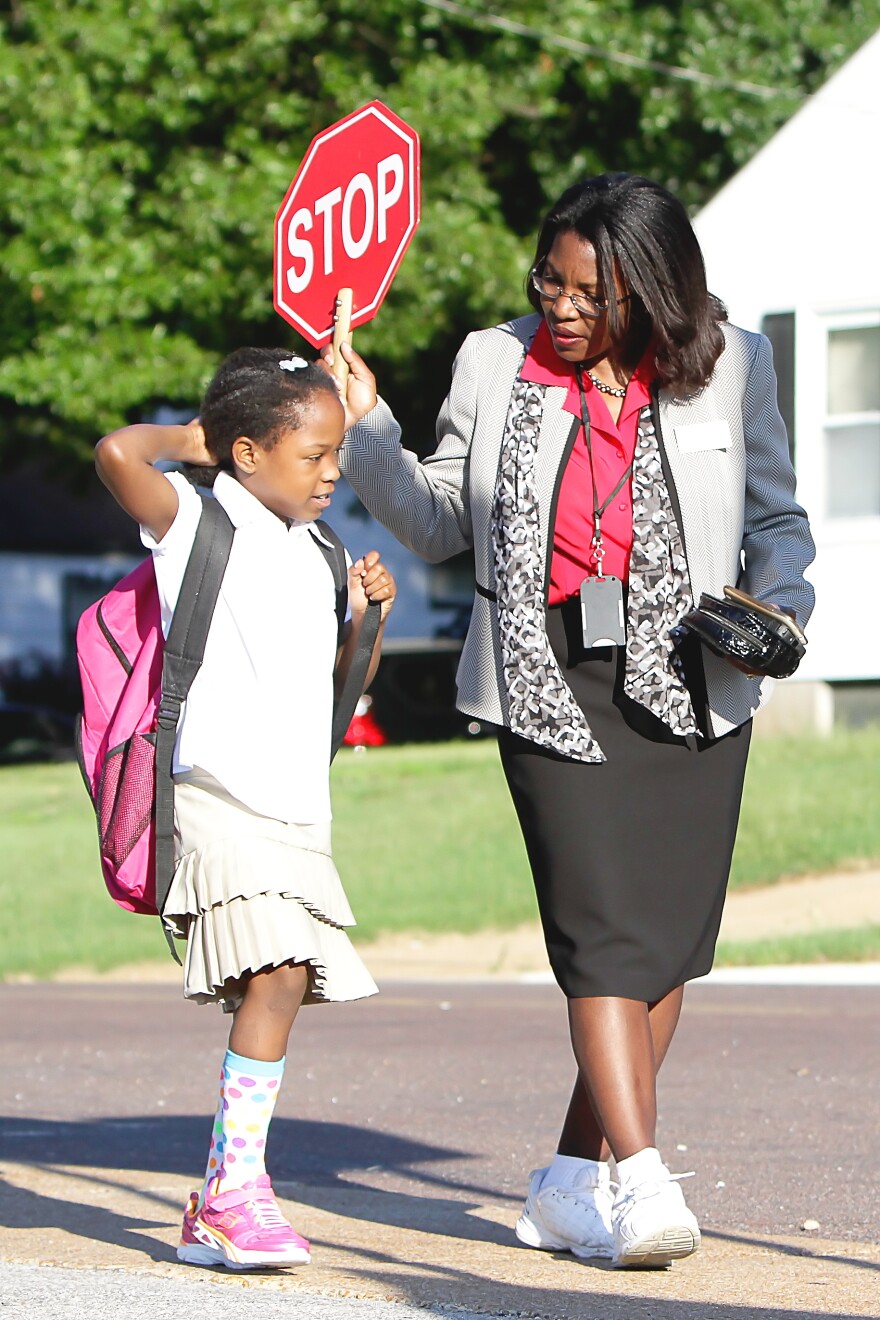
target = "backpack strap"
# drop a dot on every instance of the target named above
(184, 651)
(353, 686)
(334, 553)
(344, 707)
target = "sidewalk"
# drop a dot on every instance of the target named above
(31, 1292)
(463, 1257)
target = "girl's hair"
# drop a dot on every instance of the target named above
(645, 243)
(253, 395)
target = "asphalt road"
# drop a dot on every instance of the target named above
(405, 1112)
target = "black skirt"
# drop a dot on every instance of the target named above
(630, 857)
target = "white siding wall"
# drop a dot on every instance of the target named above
(32, 595)
(796, 231)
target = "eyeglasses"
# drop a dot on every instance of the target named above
(584, 303)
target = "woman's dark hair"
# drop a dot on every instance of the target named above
(253, 395)
(644, 241)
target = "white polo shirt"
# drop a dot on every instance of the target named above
(259, 714)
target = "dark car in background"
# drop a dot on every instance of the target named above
(35, 733)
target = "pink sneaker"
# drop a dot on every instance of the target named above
(242, 1229)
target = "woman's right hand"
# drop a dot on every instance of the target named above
(360, 395)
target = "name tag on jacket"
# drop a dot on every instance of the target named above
(702, 435)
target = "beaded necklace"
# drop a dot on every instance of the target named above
(606, 389)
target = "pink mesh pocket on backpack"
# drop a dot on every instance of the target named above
(126, 796)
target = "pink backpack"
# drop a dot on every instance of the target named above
(134, 684)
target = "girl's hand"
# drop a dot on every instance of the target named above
(193, 447)
(125, 459)
(369, 579)
(360, 395)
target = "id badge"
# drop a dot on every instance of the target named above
(602, 612)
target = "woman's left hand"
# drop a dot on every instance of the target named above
(370, 580)
(757, 673)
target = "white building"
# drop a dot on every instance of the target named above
(792, 245)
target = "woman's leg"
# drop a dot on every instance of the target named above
(581, 1136)
(619, 1045)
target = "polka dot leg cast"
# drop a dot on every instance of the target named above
(248, 1091)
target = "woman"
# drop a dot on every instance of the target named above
(609, 458)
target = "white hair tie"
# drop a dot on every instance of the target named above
(293, 364)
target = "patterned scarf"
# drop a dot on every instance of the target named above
(542, 707)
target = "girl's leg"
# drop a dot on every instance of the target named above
(251, 1075)
(236, 1221)
(263, 1020)
(597, 1026)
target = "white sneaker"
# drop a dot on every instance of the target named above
(652, 1226)
(575, 1219)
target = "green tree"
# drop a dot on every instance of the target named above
(146, 144)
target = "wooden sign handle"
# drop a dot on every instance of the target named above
(342, 335)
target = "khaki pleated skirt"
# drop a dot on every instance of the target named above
(249, 893)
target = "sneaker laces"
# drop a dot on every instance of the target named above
(267, 1213)
(652, 1186)
(611, 1188)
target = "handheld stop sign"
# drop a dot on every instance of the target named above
(344, 225)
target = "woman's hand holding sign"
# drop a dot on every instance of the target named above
(359, 395)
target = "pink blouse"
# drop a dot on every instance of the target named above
(613, 445)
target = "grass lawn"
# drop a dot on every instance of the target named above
(424, 837)
(836, 946)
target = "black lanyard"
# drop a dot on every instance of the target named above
(598, 509)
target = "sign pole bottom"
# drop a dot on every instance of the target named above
(342, 335)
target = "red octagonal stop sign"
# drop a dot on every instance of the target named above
(347, 220)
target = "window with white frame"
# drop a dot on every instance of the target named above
(852, 419)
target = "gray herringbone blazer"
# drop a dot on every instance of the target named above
(735, 500)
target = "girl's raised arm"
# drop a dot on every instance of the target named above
(125, 459)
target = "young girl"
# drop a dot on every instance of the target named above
(255, 892)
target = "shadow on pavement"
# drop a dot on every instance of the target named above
(786, 1249)
(313, 1163)
(22, 1208)
(178, 1144)
(321, 1164)
(467, 1290)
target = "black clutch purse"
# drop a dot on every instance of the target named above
(753, 636)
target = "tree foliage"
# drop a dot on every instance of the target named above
(146, 144)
